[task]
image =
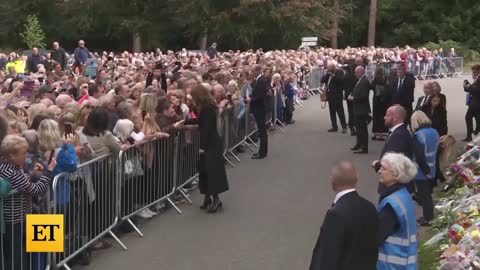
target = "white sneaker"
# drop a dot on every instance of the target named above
(152, 213)
(144, 214)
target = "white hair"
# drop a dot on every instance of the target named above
(402, 167)
(123, 129)
(62, 100)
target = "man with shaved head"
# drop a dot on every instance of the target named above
(361, 110)
(348, 235)
(399, 139)
(58, 55)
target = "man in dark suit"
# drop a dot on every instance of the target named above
(349, 82)
(403, 90)
(257, 107)
(422, 102)
(333, 81)
(361, 110)
(347, 236)
(473, 90)
(399, 139)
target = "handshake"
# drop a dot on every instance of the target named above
(466, 83)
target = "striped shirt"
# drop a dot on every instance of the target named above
(16, 206)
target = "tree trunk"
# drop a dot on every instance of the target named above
(334, 34)
(372, 23)
(203, 42)
(137, 42)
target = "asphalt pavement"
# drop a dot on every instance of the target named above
(273, 211)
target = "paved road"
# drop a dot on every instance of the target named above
(275, 207)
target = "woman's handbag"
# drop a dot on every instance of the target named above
(133, 167)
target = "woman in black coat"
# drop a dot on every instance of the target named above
(381, 102)
(211, 166)
(437, 112)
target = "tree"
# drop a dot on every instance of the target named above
(33, 35)
(372, 22)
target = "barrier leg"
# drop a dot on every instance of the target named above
(228, 161)
(234, 156)
(134, 227)
(118, 240)
(66, 267)
(252, 142)
(173, 205)
(185, 196)
(248, 145)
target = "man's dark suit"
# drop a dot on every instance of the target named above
(349, 82)
(333, 86)
(473, 106)
(399, 141)
(403, 94)
(347, 237)
(257, 106)
(420, 100)
(361, 111)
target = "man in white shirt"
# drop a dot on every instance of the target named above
(348, 235)
(425, 100)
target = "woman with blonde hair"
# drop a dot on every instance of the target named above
(34, 110)
(396, 211)
(211, 166)
(426, 142)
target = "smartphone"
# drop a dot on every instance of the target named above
(27, 89)
(68, 129)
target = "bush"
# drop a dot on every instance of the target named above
(446, 45)
(33, 35)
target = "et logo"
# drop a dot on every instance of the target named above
(45, 233)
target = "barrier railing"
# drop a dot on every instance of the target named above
(431, 68)
(88, 199)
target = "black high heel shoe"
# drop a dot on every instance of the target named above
(206, 204)
(215, 207)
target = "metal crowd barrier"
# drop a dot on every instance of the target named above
(13, 253)
(433, 68)
(314, 80)
(88, 199)
(148, 177)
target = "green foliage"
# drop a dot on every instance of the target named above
(33, 35)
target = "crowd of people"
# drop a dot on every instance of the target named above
(59, 111)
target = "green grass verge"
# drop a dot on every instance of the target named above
(427, 257)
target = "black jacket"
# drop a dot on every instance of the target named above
(400, 141)
(474, 91)
(404, 95)
(361, 97)
(419, 105)
(59, 57)
(438, 118)
(33, 61)
(211, 166)
(349, 82)
(258, 96)
(348, 236)
(334, 88)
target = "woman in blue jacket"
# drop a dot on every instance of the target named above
(426, 142)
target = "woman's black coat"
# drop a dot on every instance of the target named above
(211, 166)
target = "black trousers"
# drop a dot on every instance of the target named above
(335, 106)
(471, 113)
(409, 109)
(351, 118)
(424, 196)
(361, 124)
(259, 114)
